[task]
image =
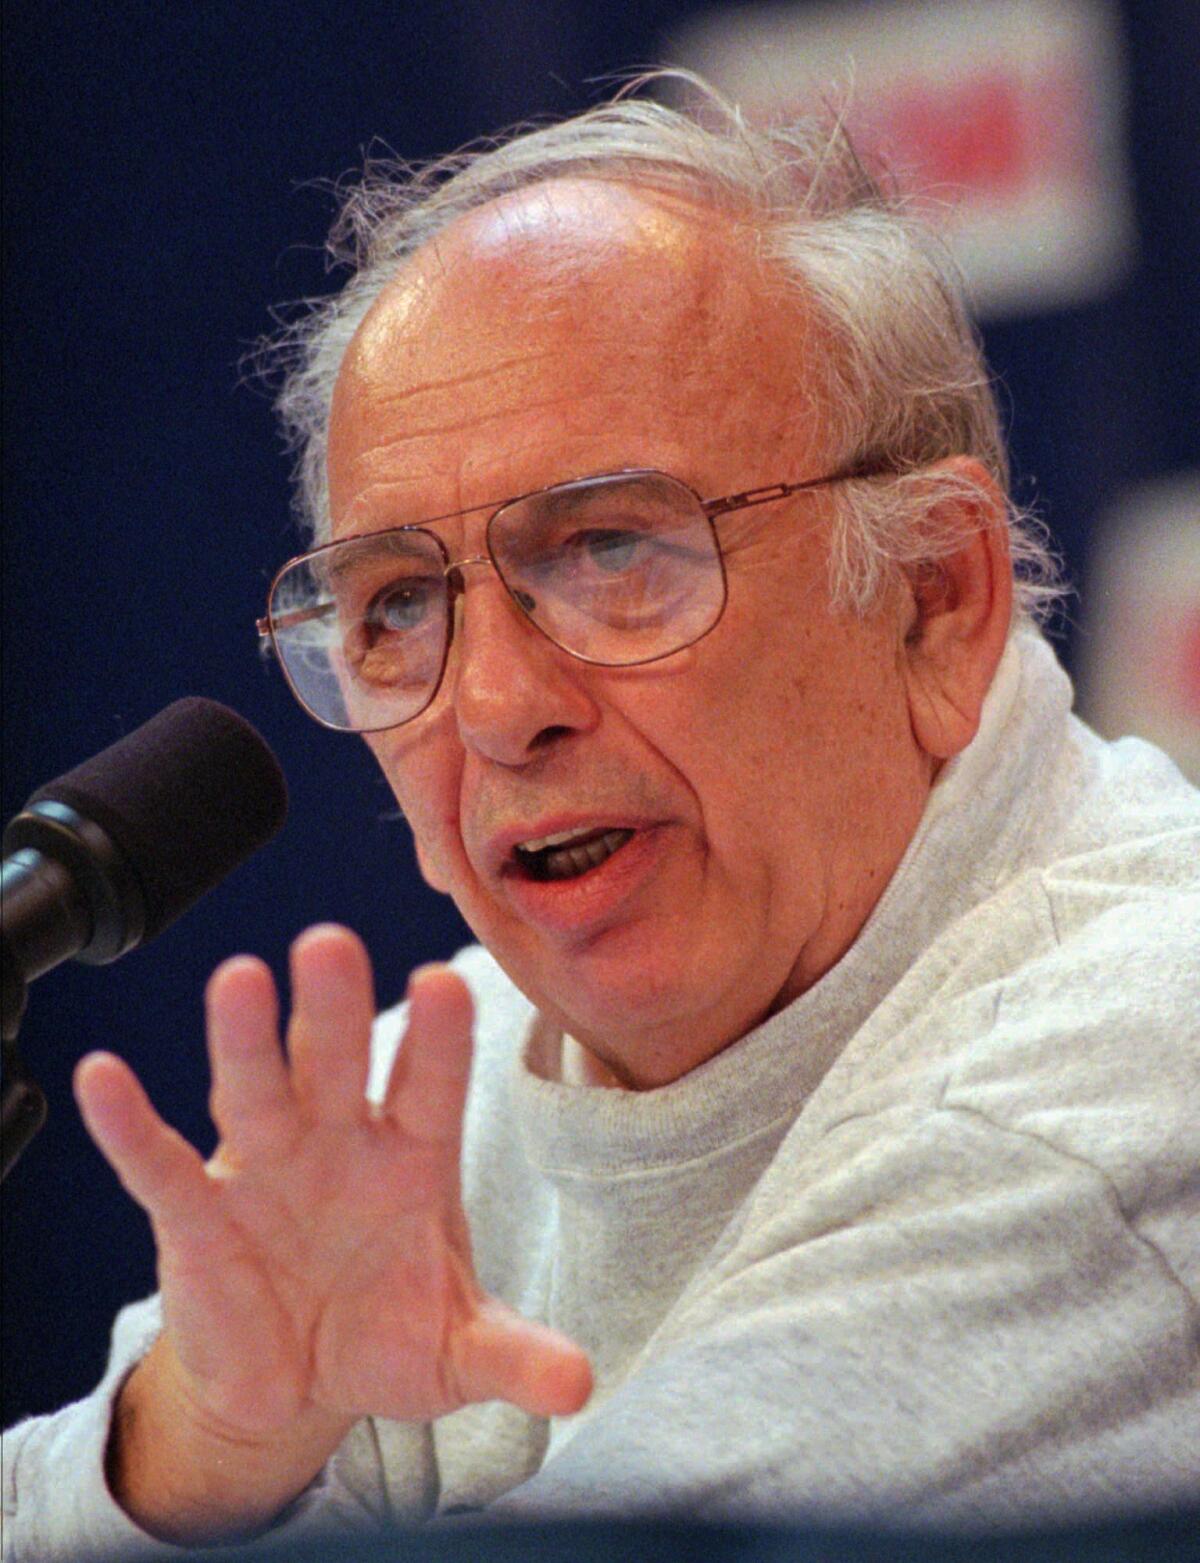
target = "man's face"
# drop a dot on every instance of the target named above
(768, 774)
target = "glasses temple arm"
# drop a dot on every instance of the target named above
(764, 496)
(285, 621)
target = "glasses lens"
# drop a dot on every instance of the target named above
(617, 570)
(361, 629)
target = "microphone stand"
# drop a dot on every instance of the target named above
(53, 906)
(22, 1100)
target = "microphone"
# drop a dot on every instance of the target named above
(108, 855)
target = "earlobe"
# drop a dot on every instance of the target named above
(961, 605)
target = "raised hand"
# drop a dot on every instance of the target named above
(318, 1267)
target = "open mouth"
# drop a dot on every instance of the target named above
(569, 854)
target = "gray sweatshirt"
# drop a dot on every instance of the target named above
(923, 1248)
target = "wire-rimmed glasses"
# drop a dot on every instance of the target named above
(620, 569)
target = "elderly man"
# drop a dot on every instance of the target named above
(831, 1138)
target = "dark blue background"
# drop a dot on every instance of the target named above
(154, 208)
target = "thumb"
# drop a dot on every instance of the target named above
(502, 1356)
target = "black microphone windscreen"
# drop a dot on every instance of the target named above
(186, 797)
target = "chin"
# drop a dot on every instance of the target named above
(644, 1021)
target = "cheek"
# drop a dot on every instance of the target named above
(753, 703)
(423, 775)
(774, 740)
(736, 737)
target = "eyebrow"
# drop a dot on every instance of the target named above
(390, 544)
(551, 493)
(569, 497)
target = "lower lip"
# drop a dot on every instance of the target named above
(585, 903)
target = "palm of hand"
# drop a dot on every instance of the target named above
(322, 1258)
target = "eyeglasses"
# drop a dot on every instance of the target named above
(620, 569)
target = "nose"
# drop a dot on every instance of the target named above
(514, 693)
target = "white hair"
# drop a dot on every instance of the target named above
(905, 386)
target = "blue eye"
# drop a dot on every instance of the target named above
(610, 550)
(404, 606)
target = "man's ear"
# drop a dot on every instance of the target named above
(959, 618)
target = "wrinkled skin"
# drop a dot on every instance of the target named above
(772, 769)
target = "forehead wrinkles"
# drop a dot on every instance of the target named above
(559, 301)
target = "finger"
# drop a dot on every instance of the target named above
(333, 1008)
(427, 1090)
(251, 1099)
(501, 1356)
(157, 1166)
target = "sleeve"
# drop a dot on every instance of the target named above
(936, 1321)
(56, 1501)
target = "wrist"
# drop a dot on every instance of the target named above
(185, 1478)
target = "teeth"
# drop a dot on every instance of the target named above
(539, 843)
(558, 860)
